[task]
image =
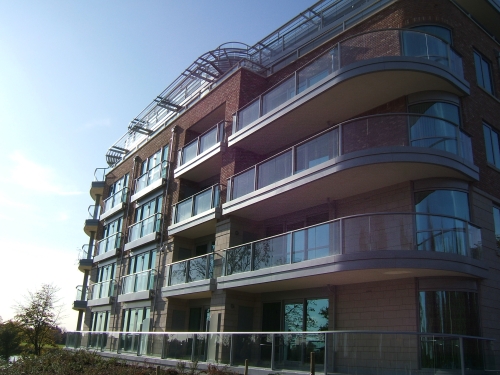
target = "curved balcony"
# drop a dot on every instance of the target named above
(92, 222)
(196, 216)
(138, 286)
(143, 231)
(359, 248)
(201, 158)
(80, 302)
(84, 260)
(101, 293)
(150, 181)
(97, 186)
(352, 157)
(114, 203)
(194, 277)
(108, 247)
(345, 82)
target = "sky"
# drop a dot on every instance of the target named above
(73, 74)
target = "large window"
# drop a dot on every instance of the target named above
(111, 236)
(135, 320)
(104, 286)
(141, 274)
(492, 144)
(483, 72)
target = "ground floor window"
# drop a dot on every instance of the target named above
(99, 322)
(135, 320)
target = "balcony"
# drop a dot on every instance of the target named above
(114, 203)
(138, 286)
(485, 12)
(101, 293)
(353, 157)
(80, 302)
(97, 186)
(143, 231)
(196, 216)
(90, 225)
(84, 261)
(150, 181)
(345, 82)
(201, 158)
(362, 248)
(108, 247)
(192, 278)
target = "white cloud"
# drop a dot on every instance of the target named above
(35, 177)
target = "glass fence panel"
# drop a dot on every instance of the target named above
(271, 252)
(198, 269)
(109, 243)
(129, 342)
(257, 348)
(115, 199)
(441, 234)
(189, 151)
(138, 282)
(317, 150)
(248, 115)
(355, 234)
(184, 210)
(208, 140)
(154, 346)
(178, 273)
(391, 232)
(434, 133)
(238, 259)
(314, 72)
(178, 346)
(279, 95)
(218, 348)
(293, 351)
(203, 202)
(243, 183)
(144, 227)
(275, 169)
(103, 289)
(311, 243)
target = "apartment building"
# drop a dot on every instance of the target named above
(333, 189)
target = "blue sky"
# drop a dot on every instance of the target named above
(72, 76)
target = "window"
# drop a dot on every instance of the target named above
(105, 283)
(135, 320)
(483, 72)
(496, 222)
(492, 144)
(111, 236)
(99, 322)
(141, 273)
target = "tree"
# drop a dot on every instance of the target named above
(38, 316)
(10, 339)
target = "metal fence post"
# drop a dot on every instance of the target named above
(273, 351)
(462, 359)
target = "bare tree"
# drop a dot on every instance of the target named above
(38, 316)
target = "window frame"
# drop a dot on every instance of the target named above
(480, 61)
(493, 149)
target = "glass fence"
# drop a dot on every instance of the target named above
(109, 243)
(395, 129)
(355, 234)
(361, 47)
(144, 227)
(197, 204)
(202, 143)
(139, 281)
(194, 269)
(115, 199)
(154, 174)
(81, 294)
(348, 352)
(102, 290)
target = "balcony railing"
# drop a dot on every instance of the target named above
(139, 281)
(382, 130)
(115, 199)
(355, 234)
(366, 46)
(348, 352)
(111, 242)
(100, 174)
(202, 143)
(197, 204)
(81, 294)
(144, 227)
(194, 269)
(102, 290)
(154, 174)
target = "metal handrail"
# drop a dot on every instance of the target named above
(161, 174)
(123, 192)
(215, 191)
(157, 217)
(133, 276)
(102, 171)
(219, 137)
(118, 235)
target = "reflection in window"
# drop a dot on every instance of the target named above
(492, 144)
(135, 320)
(443, 202)
(483, 72)
(438, 31)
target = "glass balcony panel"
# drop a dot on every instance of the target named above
(178, 273)
(184, 210)
(370, 45)
(189, 152)
(138, 282)
(271, 252)
(243, 183)
(391, 232)
(433, 133)
(238, 259)
(441, 234)
(151, 176)
(198, 269)
(81, 295)
(114, 200)
(275, 169)
(109, 243)
(314, 72)
(356, 235)
(248, 115)
(203, 202)
(317, 151)
(103, 289)
(279, 95)
(208, 140)
(425, 46)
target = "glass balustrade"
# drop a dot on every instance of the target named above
(139, 281)
(349, 235)
(347, 352)
(194, 269)
(350, 136)
(103, 289)
(202, 143)
(144, 227)
(81, 294)
(197, 204)
(361, 47)
(109, 243)
(115, 199)
(154, 174)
